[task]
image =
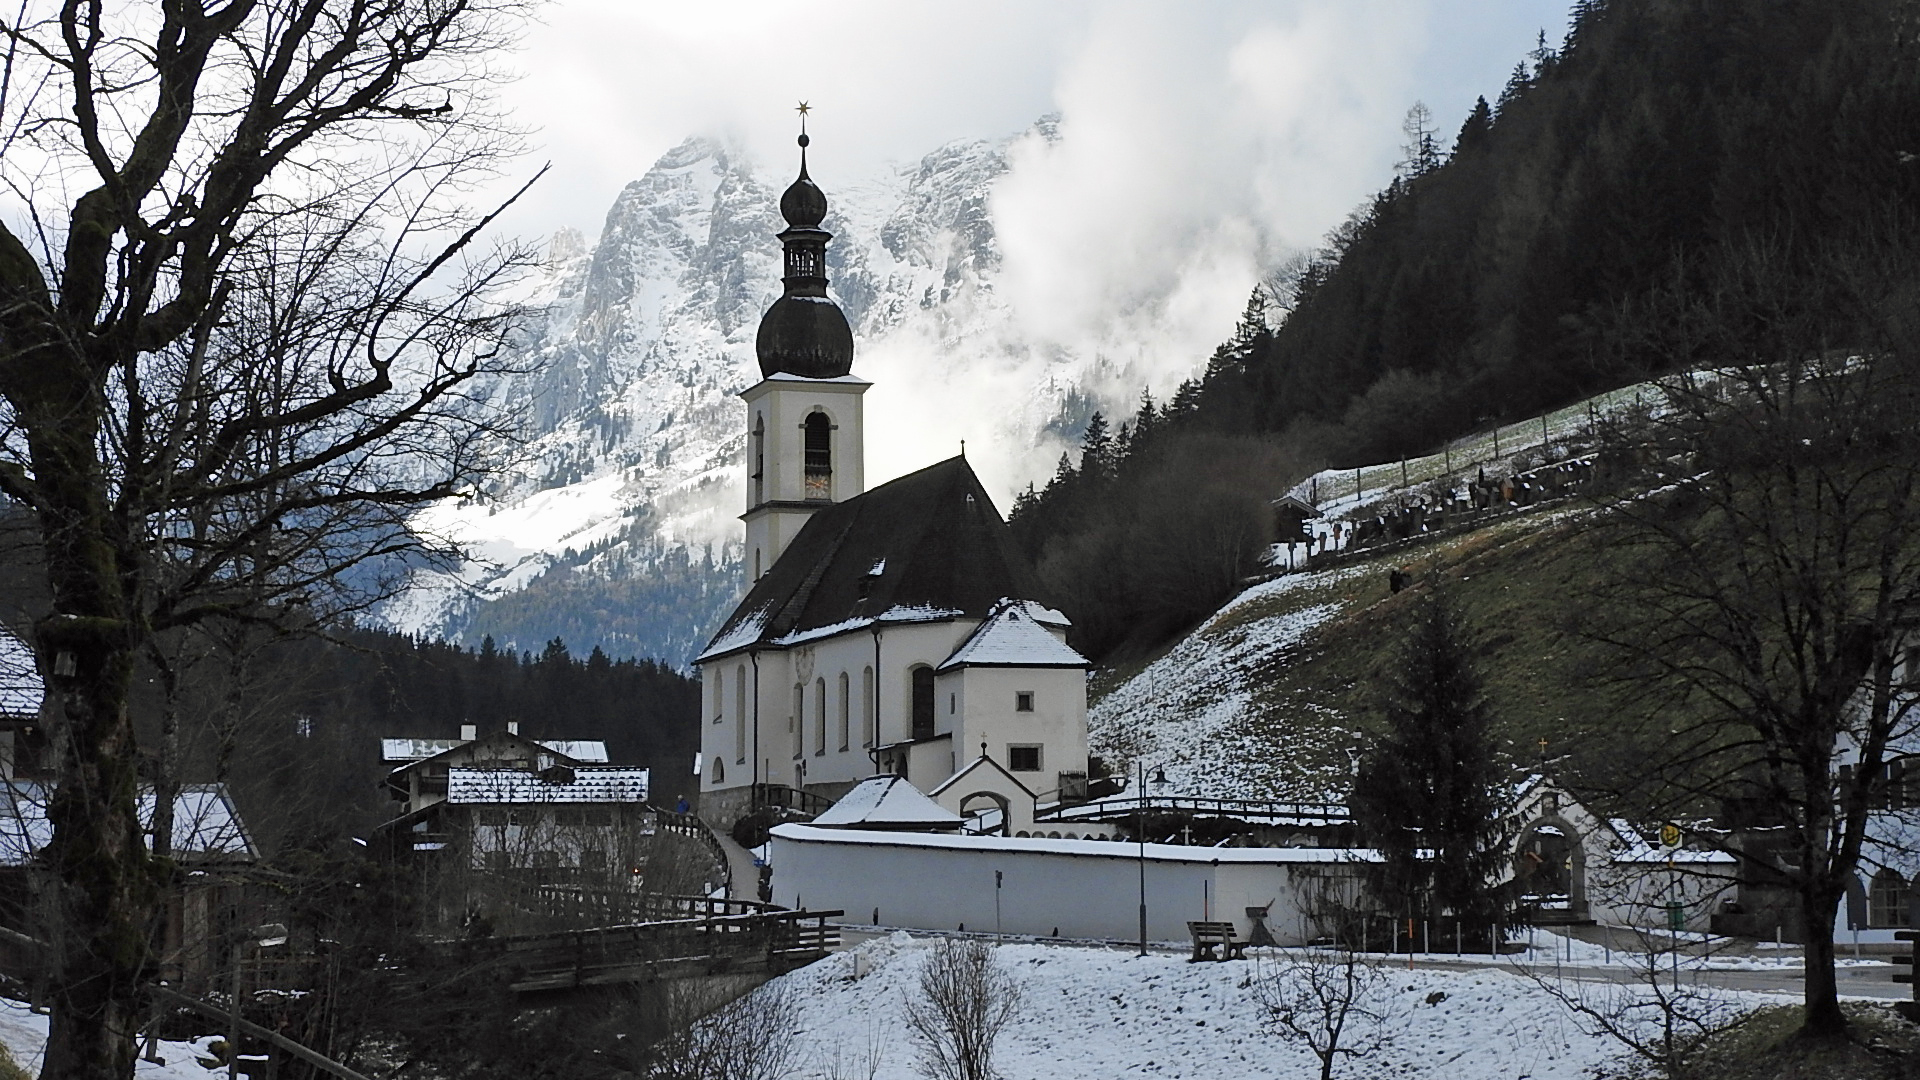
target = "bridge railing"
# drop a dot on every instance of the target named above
(768, 940)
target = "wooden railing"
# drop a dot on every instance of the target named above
(783, 797)
(770, 941)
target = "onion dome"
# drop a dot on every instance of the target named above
(804, 205)
(805, 333)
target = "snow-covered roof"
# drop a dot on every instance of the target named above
(887, 802)
(205, 822)
(585, 751)
(1091, 848)
(1012, 637)
(21, 688)
(926, 545)
(415, 749)
(612, 784)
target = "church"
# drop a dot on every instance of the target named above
(896, 631)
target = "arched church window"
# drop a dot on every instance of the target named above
(866, 708)
(759, 471)
(922, 702)
(740, 713)
(797, 721)
(819, 465)
(820, 716)
(719, 774)
(1887, 900)
(845, 708)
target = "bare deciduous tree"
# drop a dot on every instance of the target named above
(1780, 575)
(1663, 1014)
(966, 1000)
(1332, 1001)
(748, 1038)
(245, 326)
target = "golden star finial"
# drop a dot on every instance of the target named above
(803, 110)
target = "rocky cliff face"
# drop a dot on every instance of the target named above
(618, 525)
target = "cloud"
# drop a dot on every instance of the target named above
(1200, 144)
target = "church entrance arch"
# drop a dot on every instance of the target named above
(1550, 871)
(981, 802)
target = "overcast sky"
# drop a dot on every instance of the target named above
(1308, 93)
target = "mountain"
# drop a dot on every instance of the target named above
(618, 527)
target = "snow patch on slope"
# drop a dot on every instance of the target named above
(1189, 712)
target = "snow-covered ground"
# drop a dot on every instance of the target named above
(1104, 1012)
(25, 1034)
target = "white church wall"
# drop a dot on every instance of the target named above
(777, 408)
(1637, 892)
(789, 729)
(989, 713)
(1081, 888)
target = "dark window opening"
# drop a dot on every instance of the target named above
(819, 445)
(1887, 900)
(1023, 701)
(1023, 758)
(923, 703)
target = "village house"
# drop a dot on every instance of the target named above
(895, 630)
(504, 802)
(216, 887)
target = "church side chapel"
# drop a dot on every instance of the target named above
(891, 632)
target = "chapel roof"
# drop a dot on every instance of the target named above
(925, 547)
(1015, 635)
(886, 802)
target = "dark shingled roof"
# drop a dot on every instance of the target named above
(935, 537)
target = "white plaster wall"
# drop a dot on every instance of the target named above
(1637, 894)
(1082, 889)
(784, 404)
(1058, 722)
(901, 646)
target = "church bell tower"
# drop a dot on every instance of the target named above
(804, 448)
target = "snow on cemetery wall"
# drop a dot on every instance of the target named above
(1077, 888)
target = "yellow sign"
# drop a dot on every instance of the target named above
(1670, 835)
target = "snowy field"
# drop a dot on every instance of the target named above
(25, 1034)
(1098, 1013)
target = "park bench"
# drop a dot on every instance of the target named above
(1208, 936)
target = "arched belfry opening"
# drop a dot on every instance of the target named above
(819, 456)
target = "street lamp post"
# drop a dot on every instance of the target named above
(1140, 834)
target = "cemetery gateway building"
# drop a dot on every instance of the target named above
(893, 631)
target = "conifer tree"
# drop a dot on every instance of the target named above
(1474, 132)
(1431, 794)
(1096, 450)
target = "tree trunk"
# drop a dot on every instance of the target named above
(1823, 1019)
(103, 887)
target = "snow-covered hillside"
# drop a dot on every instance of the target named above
(635, 435)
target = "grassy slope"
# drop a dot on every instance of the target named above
(1526, 584)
